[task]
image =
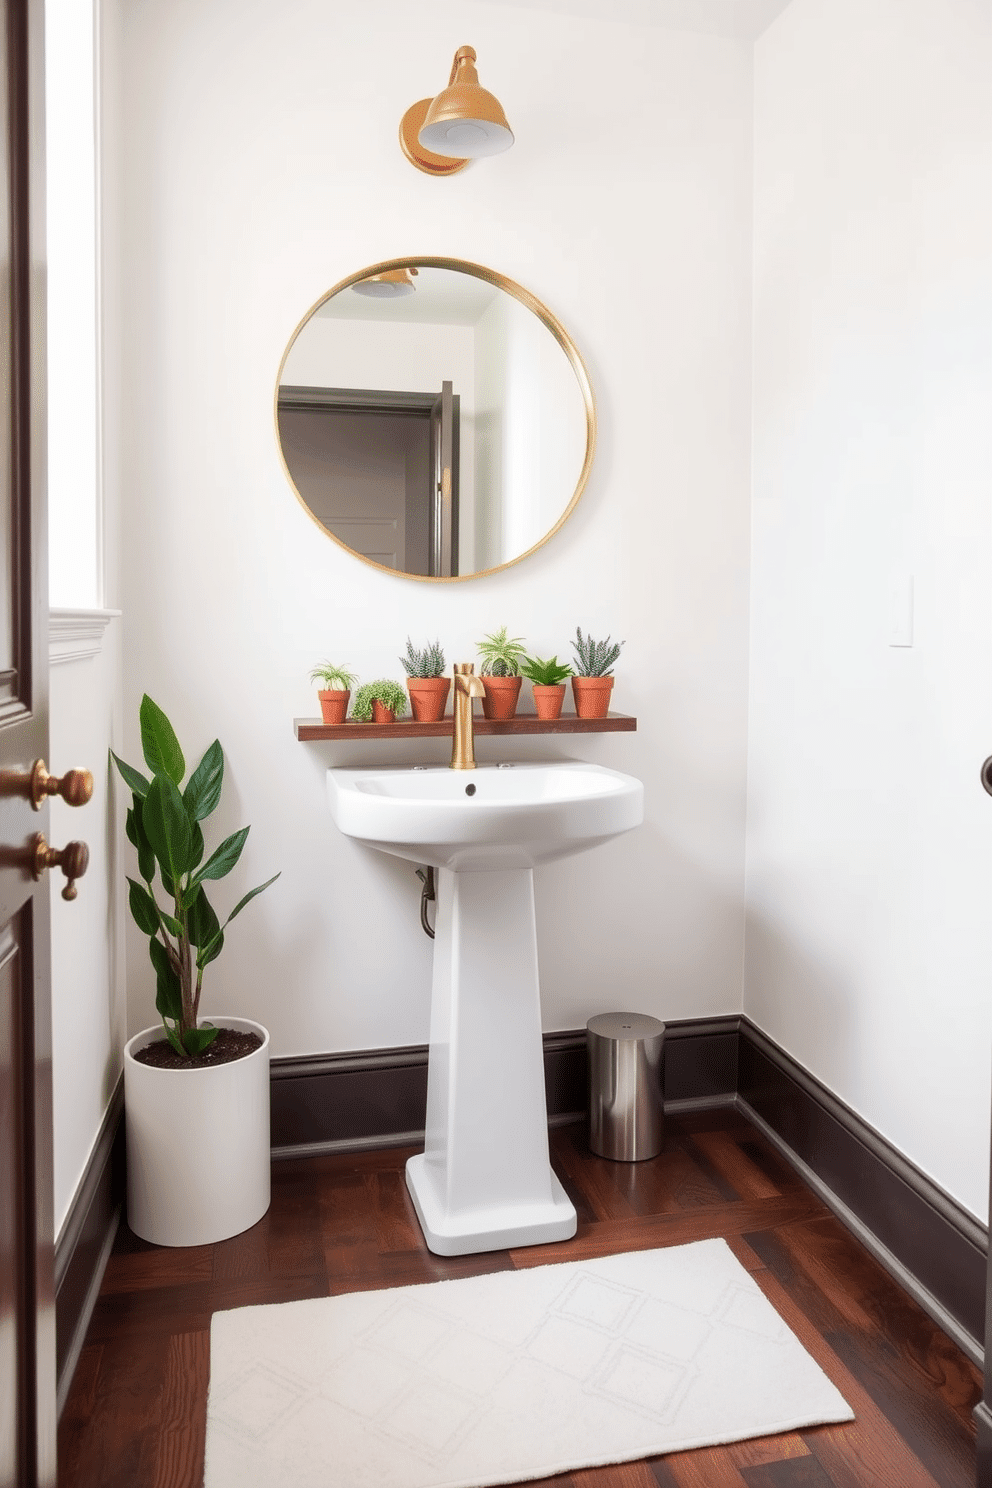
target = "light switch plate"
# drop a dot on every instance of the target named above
(901, 610)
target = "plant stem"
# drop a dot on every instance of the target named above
(170, 948)
(186, 987)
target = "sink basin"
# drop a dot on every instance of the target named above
(484, 1180)
(514, 816)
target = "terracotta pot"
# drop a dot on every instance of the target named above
(428, 697)
(592, 696)
(548, 699)
(382, 714)
(500, 701)
(334, 704)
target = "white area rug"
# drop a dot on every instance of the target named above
(496, 1379)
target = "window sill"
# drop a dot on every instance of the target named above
(76, 635)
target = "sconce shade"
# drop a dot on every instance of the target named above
(463, 123)
(389, 285)
(464, 120)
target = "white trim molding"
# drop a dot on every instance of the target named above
(75, 635)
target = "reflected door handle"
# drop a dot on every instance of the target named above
(987, 775)
(73, 859)
(75, 786)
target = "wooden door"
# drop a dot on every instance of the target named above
(27, 1317)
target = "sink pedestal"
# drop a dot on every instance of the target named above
(484, 1180)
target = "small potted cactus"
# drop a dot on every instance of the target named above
(593, 679)
(427, 687)
(501, 657)
(336, 691)
(548, 679)
(381, 701)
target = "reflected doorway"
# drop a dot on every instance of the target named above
(379, 470)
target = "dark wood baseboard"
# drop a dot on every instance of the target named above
(932, 1245)
(85, 1239)
(336, 1102)
(378, 1097)
(982, 1415)
(701, 1059)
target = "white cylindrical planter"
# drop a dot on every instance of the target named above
(197, 1143)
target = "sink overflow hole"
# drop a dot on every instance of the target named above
(470, 790)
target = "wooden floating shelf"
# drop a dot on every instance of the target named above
(524, 723)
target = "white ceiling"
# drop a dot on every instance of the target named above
(744, 18)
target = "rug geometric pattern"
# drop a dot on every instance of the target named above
(496, 1379)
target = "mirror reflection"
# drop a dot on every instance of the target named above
(434, 418)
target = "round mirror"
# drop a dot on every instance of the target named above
(434, 418)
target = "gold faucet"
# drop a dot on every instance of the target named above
(467, 687)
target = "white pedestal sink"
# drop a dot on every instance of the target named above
(484, 1180)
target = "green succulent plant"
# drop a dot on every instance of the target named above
(334, 678)
(163, 824)
(426, 661)
(544, 673)
(382, 690)
(501, 654)
(594, 658)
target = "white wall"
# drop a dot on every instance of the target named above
(88, 1013)
(72, 79)
(869, 932)
(261, 166)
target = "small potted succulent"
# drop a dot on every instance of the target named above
(381, 701)
(336, 691)
(593, 679)
(427, 687)
(501, 657)
(196, 1101)
(548, 679)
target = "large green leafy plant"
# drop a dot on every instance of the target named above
(163, 824)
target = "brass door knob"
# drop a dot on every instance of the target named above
(75, 786)
(73, 859)
(36, 785)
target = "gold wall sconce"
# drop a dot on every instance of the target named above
(442, 135)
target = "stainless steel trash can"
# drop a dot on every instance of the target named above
(626, 1086)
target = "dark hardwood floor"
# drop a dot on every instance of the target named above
(135, 1416)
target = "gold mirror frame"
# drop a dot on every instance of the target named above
(549, 321)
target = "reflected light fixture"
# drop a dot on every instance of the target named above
(463, 123)
(389, 285)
